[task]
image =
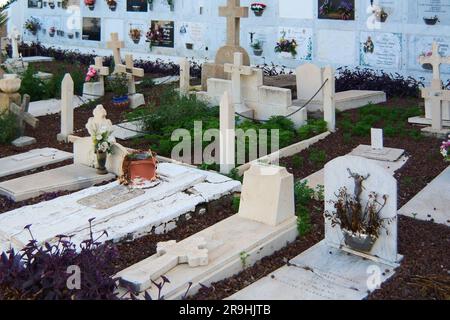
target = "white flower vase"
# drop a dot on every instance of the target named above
(286, 55)
(93, 90)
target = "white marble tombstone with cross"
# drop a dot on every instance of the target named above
(96, 90)
(67, 93)
(237, 70)
(136, 99)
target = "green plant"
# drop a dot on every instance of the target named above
(312, 128)
(8, 127)
(317, 157)
(303, 195)
(236, 203)
(257, 45)
(297, 161)
(146, 83)
(118, 84)
(244, 256)
(33, 86)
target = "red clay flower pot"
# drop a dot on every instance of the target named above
(143, 169)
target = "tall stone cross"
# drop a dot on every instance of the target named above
(115, 45)
(131, 72)
(101, 70)
(435, 60)
(227, 134)
(233, 12)
(237, 70)
(22, 114)
(185, 76)
(14, 37)
(67, 88)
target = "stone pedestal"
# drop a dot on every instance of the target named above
(93, 90)
(136, 100)
(7, 98)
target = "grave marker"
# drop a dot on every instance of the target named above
(237, 69)
(185, 77)
(115, 44)
(136, 99)
(23, 117)
(14, 37)
(227, 134)
(67, 88)
(376, 139)
(233, 12)
(95, 90)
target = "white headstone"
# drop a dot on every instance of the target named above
(267, 195)
(14, 36)
(227, 134)
(309, 80)
(377, 139)
(237, 69)
(67, 88)
(185, 77)
(338, 175)
(329, 98)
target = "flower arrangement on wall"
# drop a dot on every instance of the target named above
(135, 35)
(380, 14)
(90, 4)
(154, 36)
(287, 46)
(112, 4)
(32, 25)
(258, 8)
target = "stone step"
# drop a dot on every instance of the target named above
(67, 178)
(31, 160)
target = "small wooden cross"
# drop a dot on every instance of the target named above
(101, 70)
(131, 72)
(233, 12)
(22, 114)
(115, 44)
(237, 70)
(435, 60)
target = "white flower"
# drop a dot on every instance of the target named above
(99, 137)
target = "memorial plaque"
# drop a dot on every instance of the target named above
(422, 45)
(336, 10)
(433, 8)
(381, 50)
(165, 33)
(92, 29)
(111, 198)
(303, 37)
(137, 5)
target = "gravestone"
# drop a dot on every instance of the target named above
(115, 45)
(185, 77)
(9, 91)
(237, 69)
(30, 160)
(318, 85)
(255, 233)
(233, 12)
(377, 151)
(14, 37)
(67, 88)
(332, 269)
(96, 90)
(23, 117)
(136, 99)
(227, 134)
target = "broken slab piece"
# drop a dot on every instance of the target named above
(67, 178)
(30, 160)
(385, 154)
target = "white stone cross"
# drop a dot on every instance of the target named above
(67, 88)
(227, 134)
(115, 45)
(237, 70)
(14, 36)
(102, 71)
(377, 139)
(170, 254)
(131, 72)
(22, 114)
(185, 76)
(435, 60)
(233, 12)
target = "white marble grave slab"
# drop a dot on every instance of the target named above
(37, 59)
(154, 211)
(320, 273)
(385, 154)
(67, 178)
(51, 106)
(128, 130)
(432, 203)
(226, 241)
(31, 160)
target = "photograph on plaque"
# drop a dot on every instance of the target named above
(92, 29)
(35, 4)
(163, 33)
(137, 5)
(336, 9)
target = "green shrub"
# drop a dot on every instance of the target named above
(297, 161)
(313, 128)
(303, 195)
(236, 203)
(8, 128)
(34, 87)
(361, 129)
(318, 157)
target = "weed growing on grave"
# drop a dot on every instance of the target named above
(41, 272)
(8, 128)
(313, 128)
(244, 256)
(297, 161)
(236, 202)
(33, 86)
(303, 195)
(54, 84)
(317, 157)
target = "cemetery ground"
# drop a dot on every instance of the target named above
(422, 275)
